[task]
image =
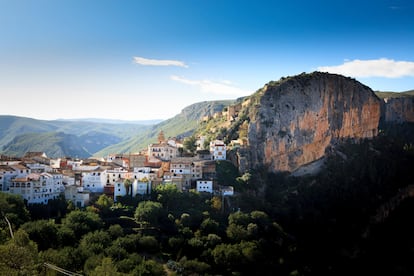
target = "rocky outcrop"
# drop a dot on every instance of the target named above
(398, 110)
(293, 121)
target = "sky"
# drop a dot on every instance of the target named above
(143, 60)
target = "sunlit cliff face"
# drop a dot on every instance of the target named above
(299, 118)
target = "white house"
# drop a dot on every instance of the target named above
(94, 180)
(200, 142)
(137, 187)
(37, 188)
(8, 172)
(143, 173)
(77, 195)
(204, 186)
(181, 165)
(116, 174)
(163, 151)
(141, 188)
(218, 150)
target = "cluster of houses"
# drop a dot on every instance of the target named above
(39, 179)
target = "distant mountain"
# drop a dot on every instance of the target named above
(181, 125)
(54, 144)
(389, 94)
(96, 137)
(113, 121)
(20, 134)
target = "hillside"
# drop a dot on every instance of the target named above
(54, 144)
(388, 94)
(181, 125)
(19, 134)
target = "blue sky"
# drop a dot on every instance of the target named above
(138, 60)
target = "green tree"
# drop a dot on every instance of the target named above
(149, 268)
(169, 196)
(94, 243)
(18, 255)
(128, 186)
(129, 263)
(148, 244)
(43, 232)
(190, 144)
(104, 202)
(81, 222)
(107, 268)
(148, 213)
(194, 267)
(209, 226)
(116, 231)
(12, 207)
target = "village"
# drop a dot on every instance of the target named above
(39, 179)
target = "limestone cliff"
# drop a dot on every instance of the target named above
(398, 110)
(293, 121)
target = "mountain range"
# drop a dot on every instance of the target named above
(96, 137)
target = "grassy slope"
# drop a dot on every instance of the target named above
(181, 125)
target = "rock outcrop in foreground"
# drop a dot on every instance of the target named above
(293, 121)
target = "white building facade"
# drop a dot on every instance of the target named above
(37, 188)
(204, 186)
(218, 150)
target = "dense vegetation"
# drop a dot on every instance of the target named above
(353, 218)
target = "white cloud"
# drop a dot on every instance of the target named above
(159, 62)
(387, 68)
(220, 88)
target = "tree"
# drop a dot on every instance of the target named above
(128, 185)
(94, 243)
(216, 203)
(116, 231)
(149, 268)
(18, 255)
(148, 213)
(104, 202)
(190, 144)
(81, 222)
(169, 196)
(12, 207)
(107, 268)
(43, 232)
(209, 226)
(194, 267)
(149, 244)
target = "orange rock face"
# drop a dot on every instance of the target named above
(300, 117)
